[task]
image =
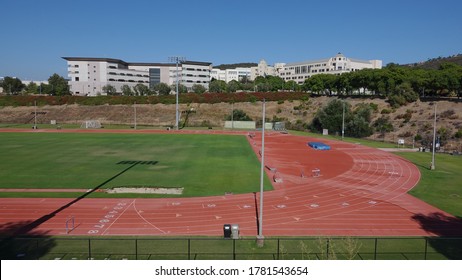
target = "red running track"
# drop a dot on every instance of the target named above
(361, 191)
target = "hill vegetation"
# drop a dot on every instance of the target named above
(236, 65)
(436, 63)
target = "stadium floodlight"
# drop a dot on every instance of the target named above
(177, 60)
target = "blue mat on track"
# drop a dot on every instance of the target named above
(319, 146)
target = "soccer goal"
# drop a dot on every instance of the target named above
(91, 124)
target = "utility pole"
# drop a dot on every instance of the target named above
(432, 167)
(177, 60)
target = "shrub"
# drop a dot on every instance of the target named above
(458, 134)
(385, 111)
(447, 114)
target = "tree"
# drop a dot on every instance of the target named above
(330, 116)
(127, 90)
(12, 85)
(315, 84)
(162, 89)
(358, 125)
(269, 83)
(217, 86)
(58, 85)
(383, 125)
(238, 115)
(199, 89)
(141, 89)
(182, 89)
(32, 88)
(109, 90)
(233, 86)
(291, 86)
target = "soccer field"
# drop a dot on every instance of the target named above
(201, 164)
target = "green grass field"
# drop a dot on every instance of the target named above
(202, 164)
(206, 248)
(441, 187)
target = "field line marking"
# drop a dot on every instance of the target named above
(104, 232)
(144, 219)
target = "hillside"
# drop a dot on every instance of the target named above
(435, 63)
(236, 65)
(408, 121)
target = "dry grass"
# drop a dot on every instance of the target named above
(214, 115)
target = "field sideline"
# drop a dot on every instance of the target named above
(202, 164)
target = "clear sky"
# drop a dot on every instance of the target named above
(36, 34)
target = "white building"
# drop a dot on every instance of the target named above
(194, 73)
(88, 76)
(228, 75)
(300, 71)
(262, 70)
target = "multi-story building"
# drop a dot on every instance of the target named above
(300, 71)
(228, 75)
(194, 73)
(88, 76)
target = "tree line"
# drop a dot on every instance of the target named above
(399, 84)
(57, 85)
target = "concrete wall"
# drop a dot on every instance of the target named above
(240, 125)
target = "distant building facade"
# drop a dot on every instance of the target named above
(228, 75)
(339, 64)
(262, 70)
(88, 76)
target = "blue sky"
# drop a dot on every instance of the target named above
(36, 34)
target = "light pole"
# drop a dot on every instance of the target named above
(177, 60)
(260, 237)
(134, 111)
(232, 115)
(432, 167)
(35, 114)
(343, 121)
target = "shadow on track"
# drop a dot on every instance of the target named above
(29, 228)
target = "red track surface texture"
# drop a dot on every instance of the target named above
(360, 192)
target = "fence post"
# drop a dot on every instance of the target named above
(375, 249)
(327, 256)
(136, 248)
(426, 248)
(278, 248)
(234, 249)
(89, 248)
(189, 248)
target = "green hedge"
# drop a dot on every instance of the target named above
(40, 100)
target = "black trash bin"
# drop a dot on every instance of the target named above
(227, 231)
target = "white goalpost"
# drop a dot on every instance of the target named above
(91, 124)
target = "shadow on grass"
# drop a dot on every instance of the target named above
(33, 247)
(449, 232)
(28, 228)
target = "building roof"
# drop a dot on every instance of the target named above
(307, 62)
(119, 61)
(96, 59)
(196, 63)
